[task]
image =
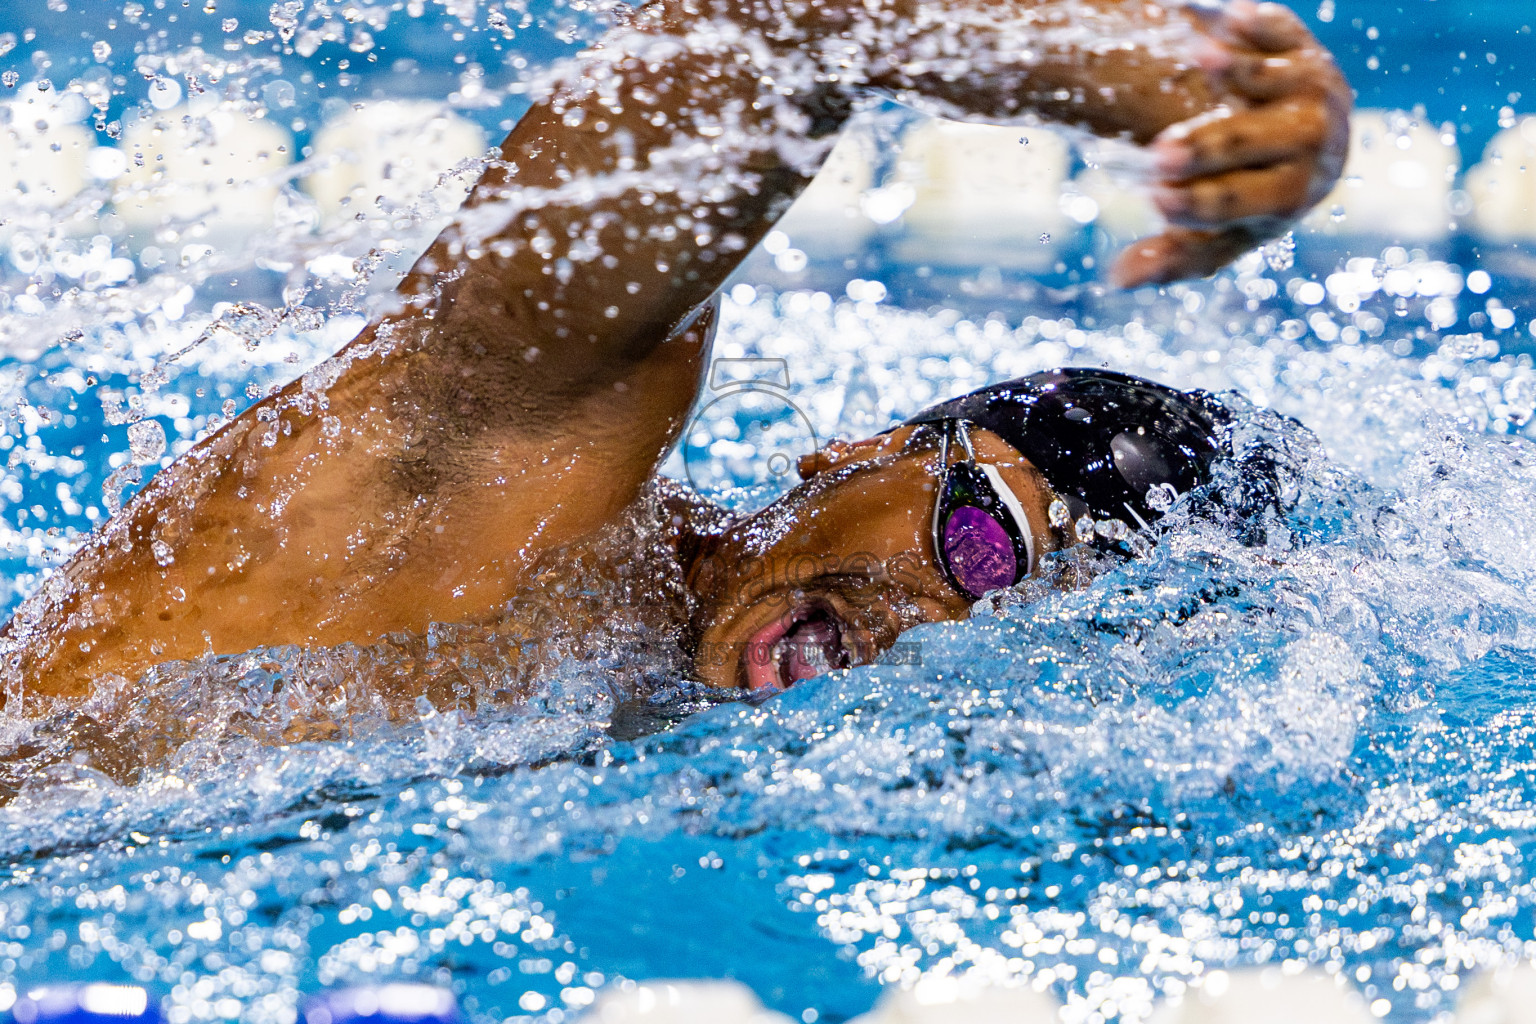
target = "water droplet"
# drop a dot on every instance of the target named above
(101, 50)
(1060, 515)
(146, 441)
(1111, 529)
(163, 554)
(1160, 497)
(1280, 254)
(1084, 529)
(112, 487)
(285, 18)
(10, 78)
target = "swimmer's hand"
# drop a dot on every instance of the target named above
(1238, 174)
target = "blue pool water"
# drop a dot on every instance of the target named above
(1309, 741)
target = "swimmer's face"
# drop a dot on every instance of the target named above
(830, 574)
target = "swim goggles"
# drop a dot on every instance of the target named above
(981, 535)
(1117, 450)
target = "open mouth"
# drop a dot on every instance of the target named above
(799, 645)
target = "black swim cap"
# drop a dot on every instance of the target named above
(1112, 446)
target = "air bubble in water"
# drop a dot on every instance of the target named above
(163, 554)
(146, 441)
(101, 50)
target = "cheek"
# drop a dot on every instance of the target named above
(857, 537)
(932, 610)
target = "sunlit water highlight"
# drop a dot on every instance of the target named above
(1310, 743)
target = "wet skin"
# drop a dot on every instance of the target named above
(516, 404)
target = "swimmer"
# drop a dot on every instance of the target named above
(547, 349)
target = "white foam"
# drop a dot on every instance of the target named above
(1500, 997)
(1122, 211)
(830, 217)
(1268, 996)
(983, 194)
(948, 1000)
(1263, 995)
(379, 158)
(682, 1002)
(45, 152)
(1503, 185)
(211, 164)
(1397, 181)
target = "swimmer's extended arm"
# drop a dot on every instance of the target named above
(1246, 114)
(543, 360)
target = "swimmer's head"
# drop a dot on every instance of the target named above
(914, 524)
(1117, 450)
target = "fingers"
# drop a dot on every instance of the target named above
(1237, 139)
(1279, 192)
(1236, 175)
(1180, 253)
(1264, 51)
(1267, 27)
(1261, 77)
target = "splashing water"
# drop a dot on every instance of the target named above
(1305, 741)
(1221, 753)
